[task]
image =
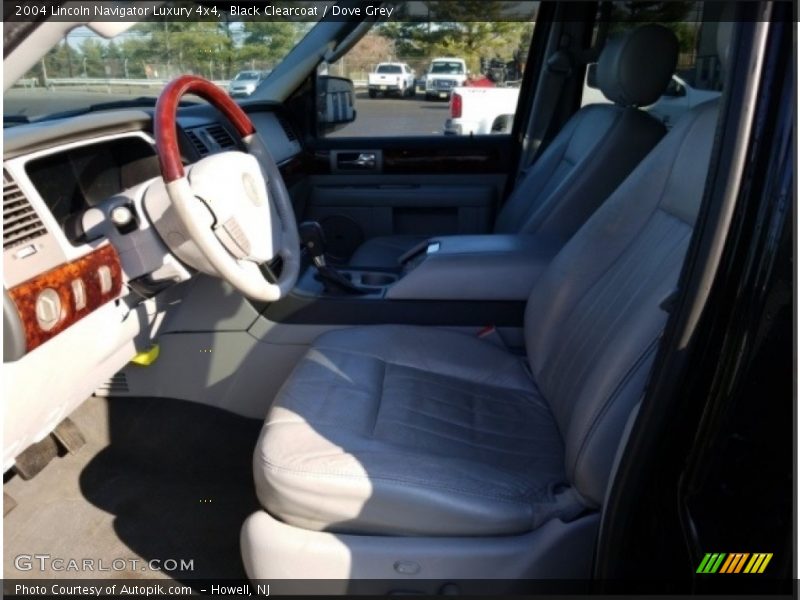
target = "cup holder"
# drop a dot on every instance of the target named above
(378, 279)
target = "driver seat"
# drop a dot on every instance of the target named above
(415, 452)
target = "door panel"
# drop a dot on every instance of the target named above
(350, 214)
(428, 186)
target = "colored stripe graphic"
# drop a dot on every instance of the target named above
(740, 564)
(764, 564)
(717, 563)
(755, 561)
(703, 563)
(727, 563)
(710, 563)
(736, 562)
(732, 563)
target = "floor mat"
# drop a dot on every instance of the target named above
(158, 480)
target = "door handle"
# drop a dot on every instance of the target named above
(365, 160)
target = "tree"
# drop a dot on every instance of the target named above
(268, 42)
(93, 61)
(471, 29)
(371, 49)
(57, 61)
(229, 50)
(676, 16)
(409, 38)
(181, 47)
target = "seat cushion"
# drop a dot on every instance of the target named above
(384, 251)
(411, 431)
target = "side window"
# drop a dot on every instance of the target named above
(437, 77)
(697, 76)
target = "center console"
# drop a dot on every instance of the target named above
(448, 280)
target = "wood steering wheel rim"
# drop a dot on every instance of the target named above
(224, 248)
(165, 120)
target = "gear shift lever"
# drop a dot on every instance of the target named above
(313, 239)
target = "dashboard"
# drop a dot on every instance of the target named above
(73, 180)
(86, 277)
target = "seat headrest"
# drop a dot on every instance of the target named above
(635, 68)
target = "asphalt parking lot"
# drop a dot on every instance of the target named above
(379, 116)
(396, 116)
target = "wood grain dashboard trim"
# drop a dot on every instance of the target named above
(60, 282)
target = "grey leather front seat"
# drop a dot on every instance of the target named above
(597, 148)
(431, 453)
(419, 431)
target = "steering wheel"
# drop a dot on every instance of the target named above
(225, 201)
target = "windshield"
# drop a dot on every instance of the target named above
(389, 69)
(84, 70)
(448, 68)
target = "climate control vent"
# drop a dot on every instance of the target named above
(210, 138)
(20, 222)
(221, 136)
(198, 144)
(287, 128)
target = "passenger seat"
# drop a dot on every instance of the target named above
(588, 159)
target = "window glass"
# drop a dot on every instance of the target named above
(446, 67)
(453, 69)
(245, 75)
(85, 70)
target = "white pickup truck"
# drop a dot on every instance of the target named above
(477, 110)
(482, 110)
(444, 74)
(391, 78)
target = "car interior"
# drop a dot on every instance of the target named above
(231, 337)
(589, 157)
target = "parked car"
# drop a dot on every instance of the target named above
(477, 110)
(245, 83)
(391, 78)
(444, 75)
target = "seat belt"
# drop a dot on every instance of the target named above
(558, 68)
(560, 65)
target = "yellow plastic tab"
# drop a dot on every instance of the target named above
(148, 357)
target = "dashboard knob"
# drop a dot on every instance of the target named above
(48, 309)
(121, 216)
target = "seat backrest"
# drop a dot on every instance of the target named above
(601, 144)
(594, 318)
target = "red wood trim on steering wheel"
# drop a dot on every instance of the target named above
(169, 155)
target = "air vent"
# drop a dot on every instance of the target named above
(287, 128)
(198, 144)
(210, 139)
(20, 222)
(221, 136)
